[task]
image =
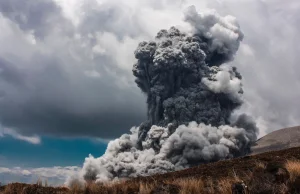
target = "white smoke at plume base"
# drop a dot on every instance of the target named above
(187, 145)
(185, 84)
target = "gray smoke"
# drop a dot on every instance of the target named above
(191, 94)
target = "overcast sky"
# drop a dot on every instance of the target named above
(65, 65)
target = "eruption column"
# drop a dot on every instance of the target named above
(191, 95)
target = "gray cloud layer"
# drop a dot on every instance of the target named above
(65, 66)
(50, 84)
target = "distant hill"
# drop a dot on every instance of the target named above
(278, 140)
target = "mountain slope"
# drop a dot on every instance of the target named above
(278, 140)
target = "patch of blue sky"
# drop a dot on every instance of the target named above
(50, 152)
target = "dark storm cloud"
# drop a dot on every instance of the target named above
(51, 85)
(51, 102)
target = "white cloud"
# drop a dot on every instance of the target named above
(92, 73)
(4, 170)
(53, 175)
(101, 140)
(10, 132)
(26, 172)
(72, 10)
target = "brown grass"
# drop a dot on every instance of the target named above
(185, 185)
(256, 181)
(224, 185)
(13, 188)
(146, 188)
(20, 188)
(293, 166)
(189, 185)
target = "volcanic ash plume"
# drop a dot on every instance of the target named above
(191, 94)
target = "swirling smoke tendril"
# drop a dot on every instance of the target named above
(191, 95)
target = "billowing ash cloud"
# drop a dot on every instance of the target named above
(191, 95)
